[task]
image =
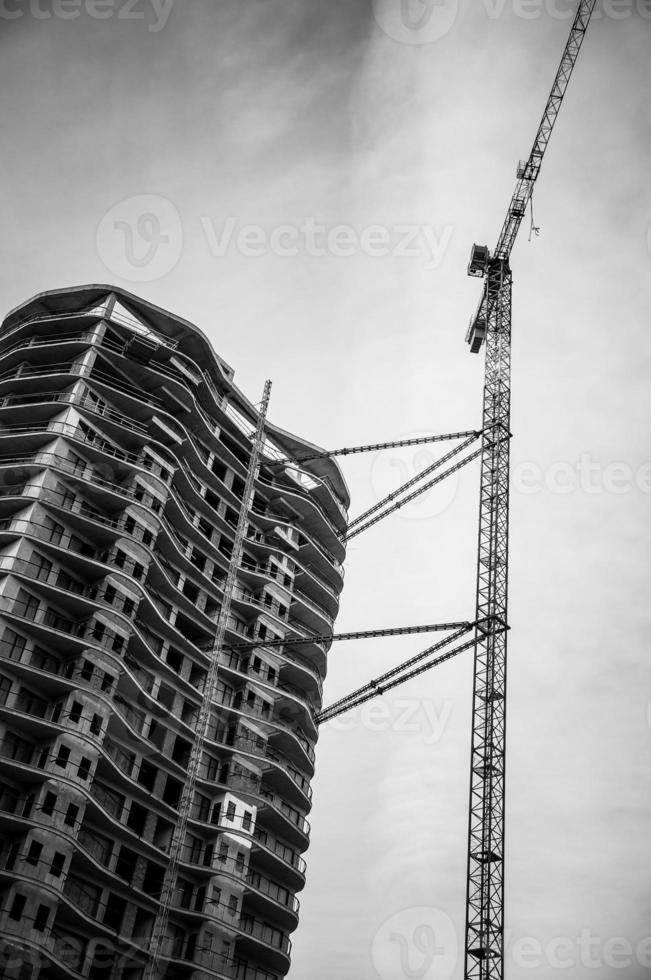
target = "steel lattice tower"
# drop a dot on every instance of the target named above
(484, 953)
(485, 909)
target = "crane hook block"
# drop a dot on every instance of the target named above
(476, 334)
(479, 259)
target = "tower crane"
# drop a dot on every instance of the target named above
(491, 327)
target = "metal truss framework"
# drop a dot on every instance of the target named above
(485, 881)
(157, 949)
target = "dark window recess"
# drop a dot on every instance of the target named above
(42, 567)
(58, 861)
(238, 486)
(83, 770)
(219, 469)
(12, 854)
(49, 803)
(166, 696)
(17, 907)
(41, 917)
(34, 853)
(226, 547)
(203, 807)
(71, 815)
(27, 605)
(175, 660)
(153, 881)
(156, 733)
(205, 527)
(62, 756)
(5, 687)
(212, 499)
(126, 863)
(99, 629)
(75, 712)
(147, 775)
(172, 791)
(114, 911)
(27, 805)
(238, 451)
(197, 559)
(96, 725)
(230, 811)
(13, 644)
(181, 751)
(190, 590)
(55, 530)
(137, 818)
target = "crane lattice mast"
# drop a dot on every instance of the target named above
(484, 949)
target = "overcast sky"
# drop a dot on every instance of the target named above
(303, 180)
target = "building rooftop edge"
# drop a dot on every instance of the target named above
(176, 328)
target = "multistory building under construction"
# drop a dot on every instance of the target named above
(124, 453)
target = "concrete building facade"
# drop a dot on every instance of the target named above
(124, 447)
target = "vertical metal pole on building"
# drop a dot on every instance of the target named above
(208, 700)
(484, 955)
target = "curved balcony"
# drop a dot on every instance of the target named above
(39, 318)
(259, 938)
(309, 508)
(68, 341)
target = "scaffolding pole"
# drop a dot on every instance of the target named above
(157, 951)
